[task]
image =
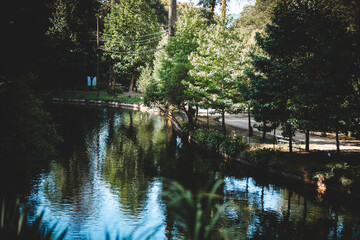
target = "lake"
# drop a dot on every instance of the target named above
(110, 171)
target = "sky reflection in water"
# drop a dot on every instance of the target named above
(108, 178)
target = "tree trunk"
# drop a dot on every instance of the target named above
(131, 86)
(223, 10)
(305, 210)
(172, 17)
(274, 137)
(212, 10)
(190, 116)
(112, 81)
(307, 141)
(207, 117)
(223, 121)
(264, 131)
(197, 113)
(290, 139)
(337, 142)
(251, 132)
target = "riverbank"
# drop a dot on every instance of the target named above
(323, 170)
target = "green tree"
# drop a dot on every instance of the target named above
(304, 77)
(253, 19)
(210, 4)
(131, 30)
(26, 129)
(171, 89)
(71, 34)
(217, 67)
(274, 78)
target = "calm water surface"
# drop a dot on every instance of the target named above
(109, 176)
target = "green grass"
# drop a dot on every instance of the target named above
(92, 95)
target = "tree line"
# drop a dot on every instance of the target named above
(292, 63)
(297, 67)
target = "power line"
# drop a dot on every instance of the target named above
(137, 43)
(140, 42)
(134, 53)
(142, 36)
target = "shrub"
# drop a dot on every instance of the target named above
(209, 138)
(233, 146)
(258, 158)
(219, 142)
(145, 79)
(118, 90)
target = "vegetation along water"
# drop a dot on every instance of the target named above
(114, 167)
(87, 172)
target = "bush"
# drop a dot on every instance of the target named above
(219, 142)
(258, 158)
(209, 138)
(145, 79)
(118, 90)
(233, 146)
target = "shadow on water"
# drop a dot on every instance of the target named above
(110, 173)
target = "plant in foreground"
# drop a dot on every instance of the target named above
(14, 224)
(197, 215)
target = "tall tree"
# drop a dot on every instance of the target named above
(223, 10)
(307, 66)
(131, 30)
(217, 66)
(172, 17)
(210, 4)
(171, 79)
(71, 34)
(253, 19)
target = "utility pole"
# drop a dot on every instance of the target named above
(97, 56)
(172, 17)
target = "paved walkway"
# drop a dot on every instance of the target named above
(317, 142)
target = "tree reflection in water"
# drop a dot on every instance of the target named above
(110, 173)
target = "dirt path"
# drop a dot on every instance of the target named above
(317, 142)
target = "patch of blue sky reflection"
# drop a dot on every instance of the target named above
(237, 188)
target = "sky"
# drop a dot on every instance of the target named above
(235, 6)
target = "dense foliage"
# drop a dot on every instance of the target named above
(303, 79)
(173, 70)
(217, 68)
(131, 29)
(26, 128)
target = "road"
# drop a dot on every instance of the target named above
(317, 142)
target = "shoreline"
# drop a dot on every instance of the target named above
(306, 177)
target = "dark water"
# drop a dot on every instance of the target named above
(110, 171)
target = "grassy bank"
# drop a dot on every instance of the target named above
(340, 172)
(92, 95)
(328, 172)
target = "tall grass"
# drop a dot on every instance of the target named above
(14, 223)
(196, 214)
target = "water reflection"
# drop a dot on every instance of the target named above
(110, 173)
(105, 181)
(268, 212)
